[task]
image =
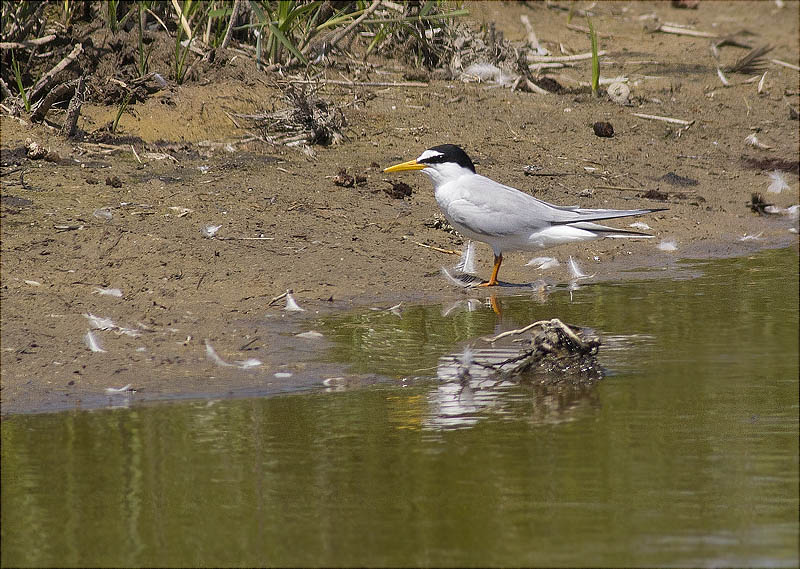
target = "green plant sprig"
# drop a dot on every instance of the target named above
(595, 61)
(18, 78)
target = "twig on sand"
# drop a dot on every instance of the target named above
(245, 238)
(785, 64)
(448, 251)
(535, 88)
(358, 83)
(670, 29)
(277, 298)
(618, 188)
(664, 119)
(561, 58)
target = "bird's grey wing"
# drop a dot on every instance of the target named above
(490, 208)
(576, 215)
(486, 207)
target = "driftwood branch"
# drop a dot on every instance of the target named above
(74, 110)
(56, 94)
(48, 77)
(27, 43)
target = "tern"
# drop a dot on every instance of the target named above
(503, 217)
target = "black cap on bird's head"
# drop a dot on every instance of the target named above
(441, 154)
(447, 153)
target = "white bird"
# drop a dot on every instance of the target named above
(503, 217)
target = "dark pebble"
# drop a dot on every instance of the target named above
(603, 129)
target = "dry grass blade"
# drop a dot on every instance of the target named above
(752, 62)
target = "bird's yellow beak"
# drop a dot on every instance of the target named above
(410, 165)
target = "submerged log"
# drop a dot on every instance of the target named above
(547, 352)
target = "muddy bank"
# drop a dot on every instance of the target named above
(90, 216)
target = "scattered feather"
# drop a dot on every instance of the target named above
(107, 292)
(755, 237)
(248, 363)
(668, 245)
(486, 72)
(466, 263)
(310, 335)
(619, 93)
(543, 263)
(752, 140)
(183, 211)
(752, 62)
(103, 213)
(128, 332)
(209, 231)
(470, 305)
(393, 309)
(575, 271)
(460, 279)
(640, 225)
(761, 83)
(122, 389)
(465, 362)
(243, 364)
(793, 211)
(92, 342)
(777, 181)
(33, 283)
(214, 357)
(291, 304)
(100, 323)
(722, 77)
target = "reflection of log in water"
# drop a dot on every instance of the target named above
(557, 359)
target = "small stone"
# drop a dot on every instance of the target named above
(603, 129)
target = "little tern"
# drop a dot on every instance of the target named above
(503, 217)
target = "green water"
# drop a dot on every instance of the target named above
(686, 454)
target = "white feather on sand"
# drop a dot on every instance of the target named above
(668, 245)
(92, 342)
(778, 181)
(543, 263)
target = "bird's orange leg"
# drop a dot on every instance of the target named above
(493, 279)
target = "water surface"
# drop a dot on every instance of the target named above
(686, 454)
